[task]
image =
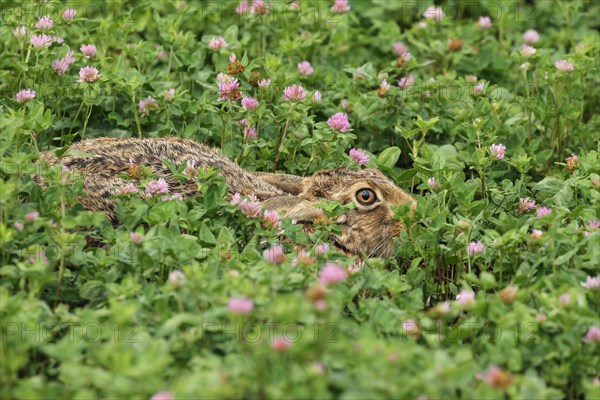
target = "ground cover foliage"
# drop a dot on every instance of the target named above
(487, 112)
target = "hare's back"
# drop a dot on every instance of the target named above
(98, 155)
(103, 160)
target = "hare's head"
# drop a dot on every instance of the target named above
(368, 228)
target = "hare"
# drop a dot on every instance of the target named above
(367, 229)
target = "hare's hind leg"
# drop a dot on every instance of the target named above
(99, 192)
(290, 184)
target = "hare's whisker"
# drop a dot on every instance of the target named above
(379, 245)
(374, 249)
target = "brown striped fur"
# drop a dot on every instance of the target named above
(365, 230)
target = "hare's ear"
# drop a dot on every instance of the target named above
(291, 184)
(295, 208)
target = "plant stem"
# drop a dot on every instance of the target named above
(223, 132)
(528, 109)
(170, 61)
(87, 117)
(239, 161)
(483, 187)
(312, 157)
(281, 141)
(481, 170)
(501, 269)
(61, 267)
(582, 99)
(74, 120)
(529, 127)
(61, 272)
(169, 117)
(137, 117)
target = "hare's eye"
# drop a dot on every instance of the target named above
(366, 197)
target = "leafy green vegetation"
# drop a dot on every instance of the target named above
(491, 123)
